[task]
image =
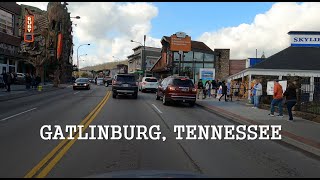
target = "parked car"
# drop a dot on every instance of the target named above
(177, 89)
(21, 78)
(81, 83)
(124, 84)
(100, 81)
(148, 84)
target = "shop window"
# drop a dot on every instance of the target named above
(198, 56)
(208, 65)
(6, 22)
(208, 57)
(188, 56)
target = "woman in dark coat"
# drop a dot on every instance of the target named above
(291, 98)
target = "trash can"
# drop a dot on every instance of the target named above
(39, 88)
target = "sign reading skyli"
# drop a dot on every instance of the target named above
(29, 28)
(305, 40)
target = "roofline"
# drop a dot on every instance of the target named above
(304, 32)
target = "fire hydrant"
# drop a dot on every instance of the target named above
(39, 88)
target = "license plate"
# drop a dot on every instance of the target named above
(185, 89)
(125, 85)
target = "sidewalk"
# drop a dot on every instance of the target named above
(301, 133)
(18, 91)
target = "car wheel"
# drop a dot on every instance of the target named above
(191, 104)
(114, 95)
(143, 90)
(74, 88)
(88, 88)
(135, 95)
(157, 97)
(164, 100)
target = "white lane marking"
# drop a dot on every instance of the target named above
(17, 114)
(76, 92)
(156, 108)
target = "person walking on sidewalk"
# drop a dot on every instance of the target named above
(9, 81)
(208, 88)
(224, 91)
(213, 88)
(291, 98)
(28, 81)
(277, 99)
(38, 80)
(5, 79)
(258, 92)
(200, 88)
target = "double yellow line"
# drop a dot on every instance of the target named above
(42, 169)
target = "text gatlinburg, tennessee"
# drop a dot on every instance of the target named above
(141, 132)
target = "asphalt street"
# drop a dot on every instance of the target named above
(24, 154)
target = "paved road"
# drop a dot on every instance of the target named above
(22, 147)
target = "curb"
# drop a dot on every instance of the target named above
(300, 142)
(17, 96)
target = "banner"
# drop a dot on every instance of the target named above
(29, 28)
(59, 46)
(270, 86)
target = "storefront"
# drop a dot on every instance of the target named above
(184, 61)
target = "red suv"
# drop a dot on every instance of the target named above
(177, 88)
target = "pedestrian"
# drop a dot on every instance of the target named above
(258, 92)
(252, 91)
(224, 91)
(38, 80)
(28, 81)
(5, 79)
(9, 81)
(218, 88)
(200, 88)
(236, 90)
(213, 88)
(277, 99)
(291, 98)
(208, 88)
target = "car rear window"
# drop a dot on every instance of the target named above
(183, 82)
(81, 80)
(126, 78)
(151, 80)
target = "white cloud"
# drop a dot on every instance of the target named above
(268, 31)
(109, 27)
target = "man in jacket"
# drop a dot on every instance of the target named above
(224, 91)
(258, 92)
(277, 99)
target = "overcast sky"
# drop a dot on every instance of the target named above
(241, 26)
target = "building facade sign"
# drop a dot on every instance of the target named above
(305, 40)
(29, 28)
(180, 42)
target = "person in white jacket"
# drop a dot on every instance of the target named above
(257, 93)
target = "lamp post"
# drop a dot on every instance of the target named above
(143, 55)
(78, 57)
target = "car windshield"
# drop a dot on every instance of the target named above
(126, 78)
(183, 82)
(151, 80)
(82, 80)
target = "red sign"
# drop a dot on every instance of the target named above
(59, 46)
(29, 27)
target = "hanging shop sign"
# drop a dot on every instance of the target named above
(29, 28)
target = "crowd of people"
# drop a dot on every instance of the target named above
(30, 81)
(221, 89)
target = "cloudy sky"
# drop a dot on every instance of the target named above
(241, 26)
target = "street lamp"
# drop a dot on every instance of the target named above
(77, 17)
(78, 57)
(143, 56)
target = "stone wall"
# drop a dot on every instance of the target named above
(222, 63)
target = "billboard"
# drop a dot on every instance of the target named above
(207, 74)
(270, 86)
(180, 42)
(29, 28)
